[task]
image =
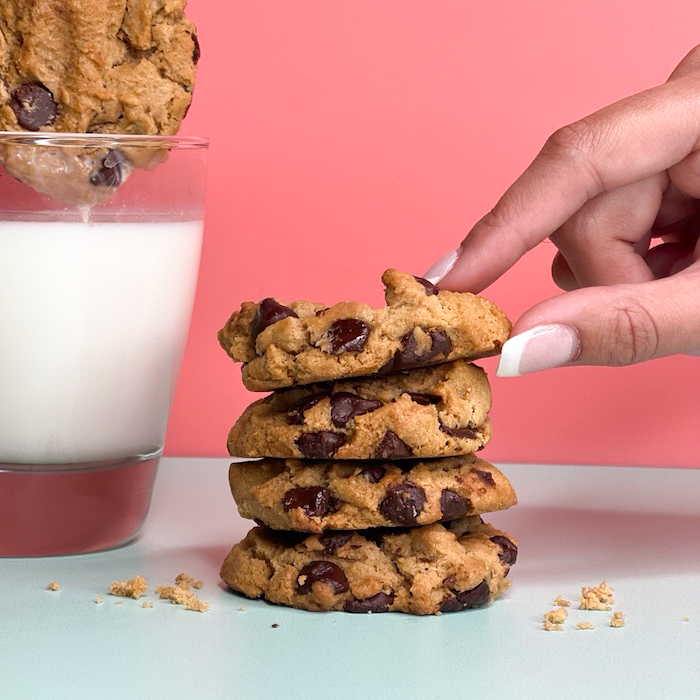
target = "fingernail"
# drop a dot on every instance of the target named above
(439, 269)
(542, 347)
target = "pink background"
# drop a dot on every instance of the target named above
(350, 136)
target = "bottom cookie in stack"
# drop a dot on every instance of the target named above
(422, 570)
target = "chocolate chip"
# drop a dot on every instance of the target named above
(345, 406)
(465, 433)
(486, 477)
(347, 335)
(392, 447)
(320, 312)
(295, 415)
(373, 474)
(269, 311)
(430, 288)
(509, 550)
(196, 51)
(315, 500)
(111, 171)
(331, 541)
(274, 625)
(424, 399)
(34, 106)
(452, 505)
(403, 503)
(449, 581)
(322, 571)
(409, 355)
(479, 595)
(320, 445)
(378, 603)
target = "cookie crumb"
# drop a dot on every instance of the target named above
(554, 619)
(596, 597)
(53, 586)
(241, 608)
(133, 588)
(185, 581)
(562, 602)
(685, 619)
(179, 595)
(618, 619)
(118, 602)
(585, 626)
(99, 599)
(146, 604)
(274, 626)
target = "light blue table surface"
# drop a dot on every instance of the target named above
(637, 528)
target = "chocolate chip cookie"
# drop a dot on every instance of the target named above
(315, 495)
(92, 66)
(306, 342)
(430, 412)
(422, 571)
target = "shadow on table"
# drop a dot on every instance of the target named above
(561, 542)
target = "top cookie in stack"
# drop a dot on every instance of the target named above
(307, 342)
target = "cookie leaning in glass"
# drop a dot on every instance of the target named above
(98, 67)
(422, 571)
(318, 495)
(429, 412)
(307, 342)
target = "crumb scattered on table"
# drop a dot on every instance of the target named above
(562, 602)
(185, 581)
(585, 626)
(596, 597)
(241, 608)
(99, 599)
(554, 619)
(133, 588)
(274, 625)
(53, 586)
(182, 595)
(618, 619)
(685, 619)
(118, 602)
(146, 604)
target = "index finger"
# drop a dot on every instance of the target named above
(621, 144)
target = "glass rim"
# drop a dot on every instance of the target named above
(76, 140)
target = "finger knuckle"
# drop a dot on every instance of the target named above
(574, 140)
(578, 145)
(632, 335)
(497, 233)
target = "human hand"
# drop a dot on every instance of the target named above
(602, 189)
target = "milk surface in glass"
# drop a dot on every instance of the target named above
(93, 323)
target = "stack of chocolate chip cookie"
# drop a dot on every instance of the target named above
(369, 495)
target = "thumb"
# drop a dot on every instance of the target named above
(617, 325)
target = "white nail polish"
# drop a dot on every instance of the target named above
(439, 269)
(541, 347)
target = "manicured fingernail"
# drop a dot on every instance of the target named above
(439, 269)
(542, 347)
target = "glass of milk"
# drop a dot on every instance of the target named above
(100, 241)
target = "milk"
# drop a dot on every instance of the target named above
(93, 323)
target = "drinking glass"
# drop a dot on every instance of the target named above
(100, 240)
